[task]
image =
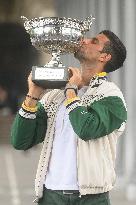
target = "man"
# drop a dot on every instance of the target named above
(79, 126)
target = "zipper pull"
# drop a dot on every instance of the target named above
(36, 200)
(80, 195)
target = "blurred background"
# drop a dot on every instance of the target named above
(17, 56)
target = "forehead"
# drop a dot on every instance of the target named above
(102, 38)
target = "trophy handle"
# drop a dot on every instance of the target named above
(86, 24)
(24, 18)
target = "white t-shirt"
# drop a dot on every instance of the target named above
(62, 171)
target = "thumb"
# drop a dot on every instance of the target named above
(74, 70)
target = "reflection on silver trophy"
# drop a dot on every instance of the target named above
(55, 36)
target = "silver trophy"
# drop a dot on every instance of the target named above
(55, 36)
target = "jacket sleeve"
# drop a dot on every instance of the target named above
(99, 119)
(26, 132)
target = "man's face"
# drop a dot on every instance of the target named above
(90, 49)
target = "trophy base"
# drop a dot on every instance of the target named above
(50, 77)
(48, 84)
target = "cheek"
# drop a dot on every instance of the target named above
(90, 53)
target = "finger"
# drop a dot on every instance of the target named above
(30, 76)
(74, 70)
(70, 73)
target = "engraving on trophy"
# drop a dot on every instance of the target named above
(55, 36)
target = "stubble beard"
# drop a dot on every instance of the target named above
(79, 55)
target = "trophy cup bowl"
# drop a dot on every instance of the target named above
(55, 36)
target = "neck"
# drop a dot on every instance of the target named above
(88, 71)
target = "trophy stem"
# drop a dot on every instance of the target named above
(55, 61)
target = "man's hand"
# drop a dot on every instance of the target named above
(33, 91)
(76, 77)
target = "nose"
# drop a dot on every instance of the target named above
(85, 40)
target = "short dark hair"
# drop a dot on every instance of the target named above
(117, 50)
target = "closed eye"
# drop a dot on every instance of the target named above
(94, 41)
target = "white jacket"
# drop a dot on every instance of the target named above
(96, 157)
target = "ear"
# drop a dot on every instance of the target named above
(104, 57)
